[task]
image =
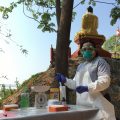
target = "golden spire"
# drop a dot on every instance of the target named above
(89, 22)
(89, 32)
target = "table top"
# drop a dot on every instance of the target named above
(43, 113)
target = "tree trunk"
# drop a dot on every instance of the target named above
(63, 37)
(58, 11)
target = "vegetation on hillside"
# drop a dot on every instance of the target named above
(112, 44)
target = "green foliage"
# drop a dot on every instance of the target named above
(92, 2)
(115, 14)
(44, 14)
(82, 1)
(45, 23)
(17, 84)
(41, 11)
(110, 44)
(5, 92)
(6, 10)
(35, 76)
(73, 15)
(118, 2)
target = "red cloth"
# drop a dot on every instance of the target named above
(7, 114)
(75, 54)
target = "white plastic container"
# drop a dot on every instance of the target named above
(53, 102)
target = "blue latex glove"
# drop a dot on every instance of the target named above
(60, 77)
(81, 89)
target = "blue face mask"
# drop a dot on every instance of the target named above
(87, 54)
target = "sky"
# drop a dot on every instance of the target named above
(16, 65)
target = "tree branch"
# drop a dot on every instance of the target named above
(27, 15)
(76, 5)
(98, 2)
(105, 2)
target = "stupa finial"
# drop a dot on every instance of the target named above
(90, 9)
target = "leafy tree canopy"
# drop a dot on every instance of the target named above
(42, 11)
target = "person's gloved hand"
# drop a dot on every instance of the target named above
(81, 89)
(60, 77)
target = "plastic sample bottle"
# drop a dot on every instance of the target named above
(24, 99)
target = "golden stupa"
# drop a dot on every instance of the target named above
(89, 32)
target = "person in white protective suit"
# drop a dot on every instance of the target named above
(92, 77)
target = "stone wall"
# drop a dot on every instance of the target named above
(114, 89)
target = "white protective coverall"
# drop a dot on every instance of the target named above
(95, 75)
